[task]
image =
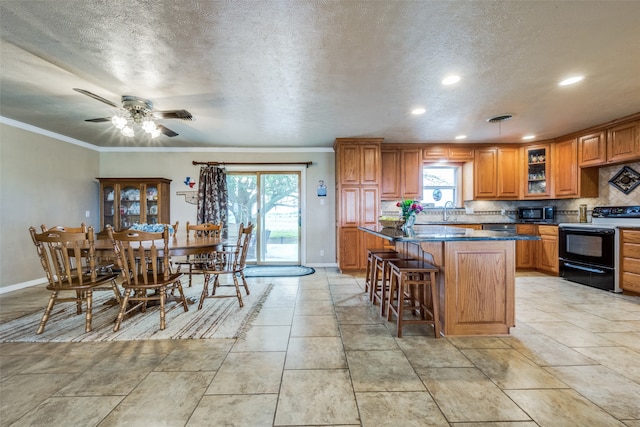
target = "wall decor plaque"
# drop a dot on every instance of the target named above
(626, 180)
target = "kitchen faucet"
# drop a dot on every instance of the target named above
(449, 204)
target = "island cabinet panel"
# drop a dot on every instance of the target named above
(630, 260)
(623, 142)
(478, 287)
(525, 249)
(592, 150)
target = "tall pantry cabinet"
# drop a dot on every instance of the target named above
(357, 199)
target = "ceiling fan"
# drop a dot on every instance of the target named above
(135, 110)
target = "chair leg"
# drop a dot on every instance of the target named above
(238, 294)
(89, 295)
(123, 308)
(79, 298)
(399, 319)
(163, 296)
(205, 290)
(116, 291)
(244, 282)
(178, 284)
(47, 311)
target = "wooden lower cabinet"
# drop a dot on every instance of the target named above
(352, 248)
(630, 260)
(547, 249)
(526, 249)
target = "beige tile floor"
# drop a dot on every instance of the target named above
(319, 354)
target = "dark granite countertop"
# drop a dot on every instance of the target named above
(439, 233)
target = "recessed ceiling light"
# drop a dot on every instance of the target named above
(461, 136)
(449, 80)
(527, 137)
(418, 111)
(570, 80)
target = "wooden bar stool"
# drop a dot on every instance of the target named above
(378, 289)
(413, 282)
(370, 267)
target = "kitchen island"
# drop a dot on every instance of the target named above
(476, 280)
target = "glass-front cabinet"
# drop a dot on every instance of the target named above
(128, 201)
(537, 171)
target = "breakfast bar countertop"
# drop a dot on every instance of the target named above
(439, 233)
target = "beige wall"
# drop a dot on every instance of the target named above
(42, 180)
(45, 180)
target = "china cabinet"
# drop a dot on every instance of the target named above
(127, 201)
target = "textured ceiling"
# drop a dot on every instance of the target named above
(301, 73)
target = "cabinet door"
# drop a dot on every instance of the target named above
(592, 150)
(630, 260)
(109, 197)
(460, 154)
(370, 164)
(390, 182)
(508, 173)
(547, 249)
(349, 206)
(485, 173)
(565, 170)
(525, 249)
(349, 161)
(349, 250)
(130, 206)
(538, 180)
(369, 206)
(434, 153)
(623, 142)
(411, 173)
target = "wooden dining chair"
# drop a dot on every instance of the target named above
(68, 260)
(197, 263)
(229, 262)
(143, 258)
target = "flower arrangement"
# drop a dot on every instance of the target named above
(409, 207)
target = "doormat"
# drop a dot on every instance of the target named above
(218, 318)
(278, 271)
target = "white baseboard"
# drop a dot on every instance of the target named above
(322, 265)
(23, 285)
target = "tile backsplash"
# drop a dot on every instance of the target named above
(566, 209)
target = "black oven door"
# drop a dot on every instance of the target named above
(593, 246)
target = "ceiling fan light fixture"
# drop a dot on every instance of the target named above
(127, 131)
(155, 133)
(148, 125)
(119, 122)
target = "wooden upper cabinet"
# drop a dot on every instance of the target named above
(565, 168)
(485, 173)
(592, 150)
(411, 173)
(623, 142)
(436, 153)
(508, 173)
(537, 173)
(496, 173)
(390, 164)
(358, 161)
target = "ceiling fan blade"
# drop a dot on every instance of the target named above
(97, 97)
(173, 114)
(101, 119)
(167, 131)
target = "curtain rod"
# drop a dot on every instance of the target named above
(307, 164)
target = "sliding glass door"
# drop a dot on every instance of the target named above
(271, 200)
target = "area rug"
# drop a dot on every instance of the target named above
(219, 318)
(278, 271)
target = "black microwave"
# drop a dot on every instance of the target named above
(537, 213)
